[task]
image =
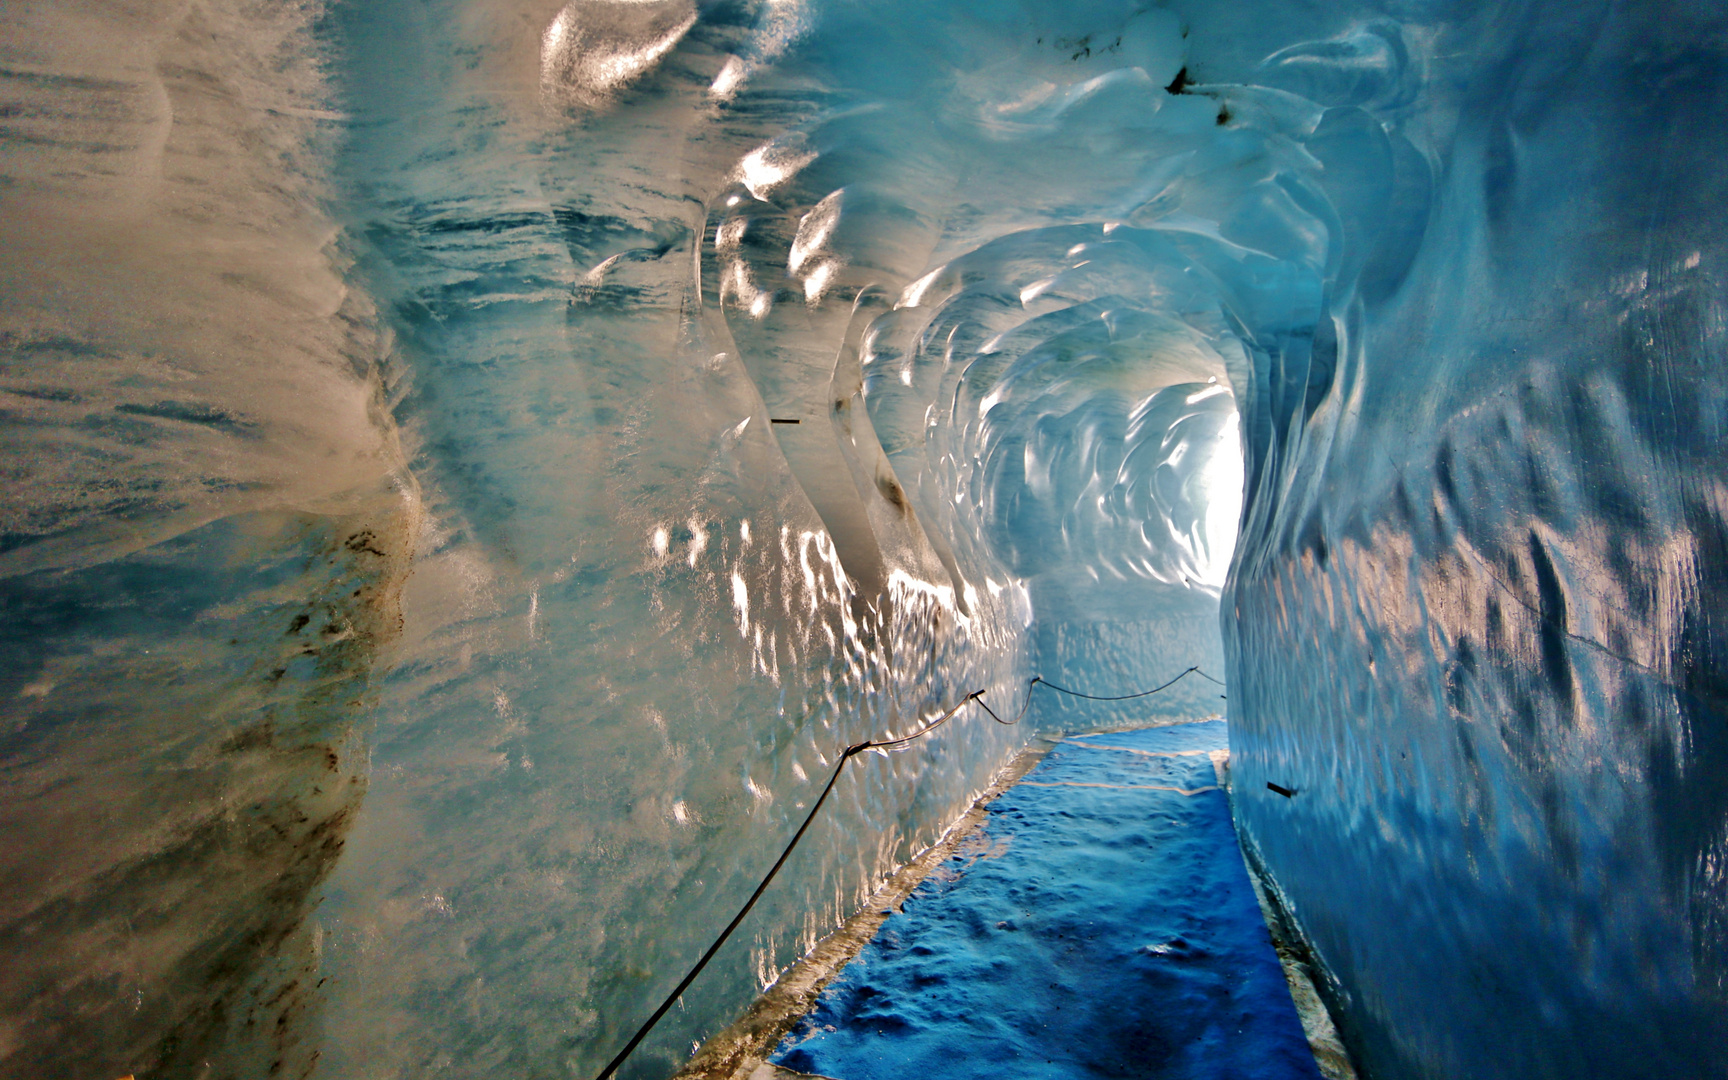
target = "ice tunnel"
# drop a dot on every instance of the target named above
(470, 466)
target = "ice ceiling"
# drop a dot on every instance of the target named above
(470, 464)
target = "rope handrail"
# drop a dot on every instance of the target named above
(1039, 679)
(846, 755)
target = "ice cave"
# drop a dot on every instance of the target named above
(472, 466)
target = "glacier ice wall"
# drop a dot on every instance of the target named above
(473, 463)
(643, 619)
(1475, 620)
(206, 520)
(674, 362)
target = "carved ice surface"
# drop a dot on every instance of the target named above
(472, 464)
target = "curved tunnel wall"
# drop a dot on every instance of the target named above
(1474, 615)
(476, 462)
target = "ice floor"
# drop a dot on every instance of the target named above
(1100, 924)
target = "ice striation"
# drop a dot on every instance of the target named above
(471, 465)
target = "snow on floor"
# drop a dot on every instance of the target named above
(1100, 924)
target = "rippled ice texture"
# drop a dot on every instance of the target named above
(1476, 617)
(420, 634)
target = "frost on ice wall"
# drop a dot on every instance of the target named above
(472, 464)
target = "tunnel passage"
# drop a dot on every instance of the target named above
(724, 383)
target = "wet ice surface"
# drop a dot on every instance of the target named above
(645, 617)
(418, 636)
(1101, 924)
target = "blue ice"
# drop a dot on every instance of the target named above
(471, 465)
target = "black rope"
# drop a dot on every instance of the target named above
(848, 754)
(845, 756)
(1118, 697)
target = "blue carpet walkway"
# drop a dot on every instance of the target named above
(1101, 925)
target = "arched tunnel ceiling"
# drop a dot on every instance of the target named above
(1027, 357)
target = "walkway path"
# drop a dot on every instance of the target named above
(1101, 924)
